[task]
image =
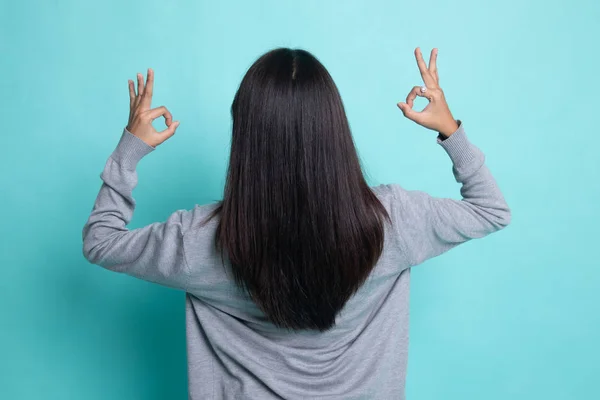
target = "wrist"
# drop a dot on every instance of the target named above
(448, 129)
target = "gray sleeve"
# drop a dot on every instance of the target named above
(155, 252)
(430, 226)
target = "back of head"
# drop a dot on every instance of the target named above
(300, 225)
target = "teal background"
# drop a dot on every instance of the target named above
(512, 316)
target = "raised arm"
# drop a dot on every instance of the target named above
(155, 252)
(431, 225)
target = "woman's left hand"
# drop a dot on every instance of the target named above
(141, 115)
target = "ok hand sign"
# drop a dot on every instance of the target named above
(436, 116)
(141, 115)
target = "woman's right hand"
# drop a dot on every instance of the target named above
(436, 116)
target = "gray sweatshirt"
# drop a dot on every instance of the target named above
(233, 351)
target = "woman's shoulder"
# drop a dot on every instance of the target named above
(388, 190)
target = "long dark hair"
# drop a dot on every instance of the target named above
(300, 225)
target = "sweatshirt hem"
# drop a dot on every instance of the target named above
(130, 150)
(458, 147)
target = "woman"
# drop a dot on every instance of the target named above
(297, 281)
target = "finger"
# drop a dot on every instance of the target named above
(425, 74)
(170, 131)
(433, 65)
(131, 92)
(159, 111)
(410, 113)
(140, 86)
(147, 96)
(412, 95)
